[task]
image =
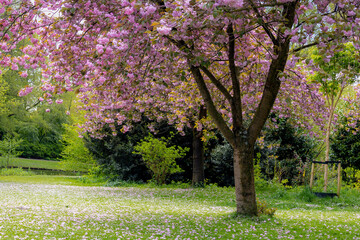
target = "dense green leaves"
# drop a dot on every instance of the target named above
(75, 156)
(336, 71)
(160, 158)
(346, 146)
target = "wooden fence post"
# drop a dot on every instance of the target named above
(312, 175)
(339, 179)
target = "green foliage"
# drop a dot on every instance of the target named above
(26, 117)
(260, 182)
(8, 149)
(3, 90)
(15, 172)
(75, 156)
(319, 181)
(42, 133)
(282, 153)
(352, 176)
(341, 69)
(264, 209)
(219, 165)
(285, 153)
(306, 194)
(346, 145)
(159, 158)
(114, 154)
(118, 162)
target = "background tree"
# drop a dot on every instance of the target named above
(335, 74)
(345, 147)
(9, 150)
(75, 156)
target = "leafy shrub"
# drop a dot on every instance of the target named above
(159, 158)
(15, 172)
(94, 175)
(264, 209)
(356, 178)
(114, 155)
(75, 156)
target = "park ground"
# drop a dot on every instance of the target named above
(67, 207)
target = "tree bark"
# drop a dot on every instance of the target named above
(244, 179)
(198, 176)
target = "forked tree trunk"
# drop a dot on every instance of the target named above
(198, 159)
(243, 153)
(244, 179)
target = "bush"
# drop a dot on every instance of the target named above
(114, 155)
(75, 156)
(264, 209)
(159, 158)
(15, 172)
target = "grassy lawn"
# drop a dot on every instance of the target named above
(47, 179)
(46, 207)
(33, 163)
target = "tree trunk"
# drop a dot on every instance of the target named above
(198, 176)
(198, 159)
(327, 142)
(327, 152)
(244, 179)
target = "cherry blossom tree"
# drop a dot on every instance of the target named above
(232, 56)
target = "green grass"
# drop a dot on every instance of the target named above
(33, 163)
(48, 179)
(48, 207)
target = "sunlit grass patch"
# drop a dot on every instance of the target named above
(14, 172)
(34, 163)
(47, 179)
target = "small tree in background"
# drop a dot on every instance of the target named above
(159, 158)
(75, 156)
(8, 149)
(335, 74)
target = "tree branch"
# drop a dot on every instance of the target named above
(272, 84)
(210, 106)
(217, 83)
(264, 24)
(34, 105)
(236, 100)
(310, 45)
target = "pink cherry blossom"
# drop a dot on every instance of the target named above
(24, 74)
